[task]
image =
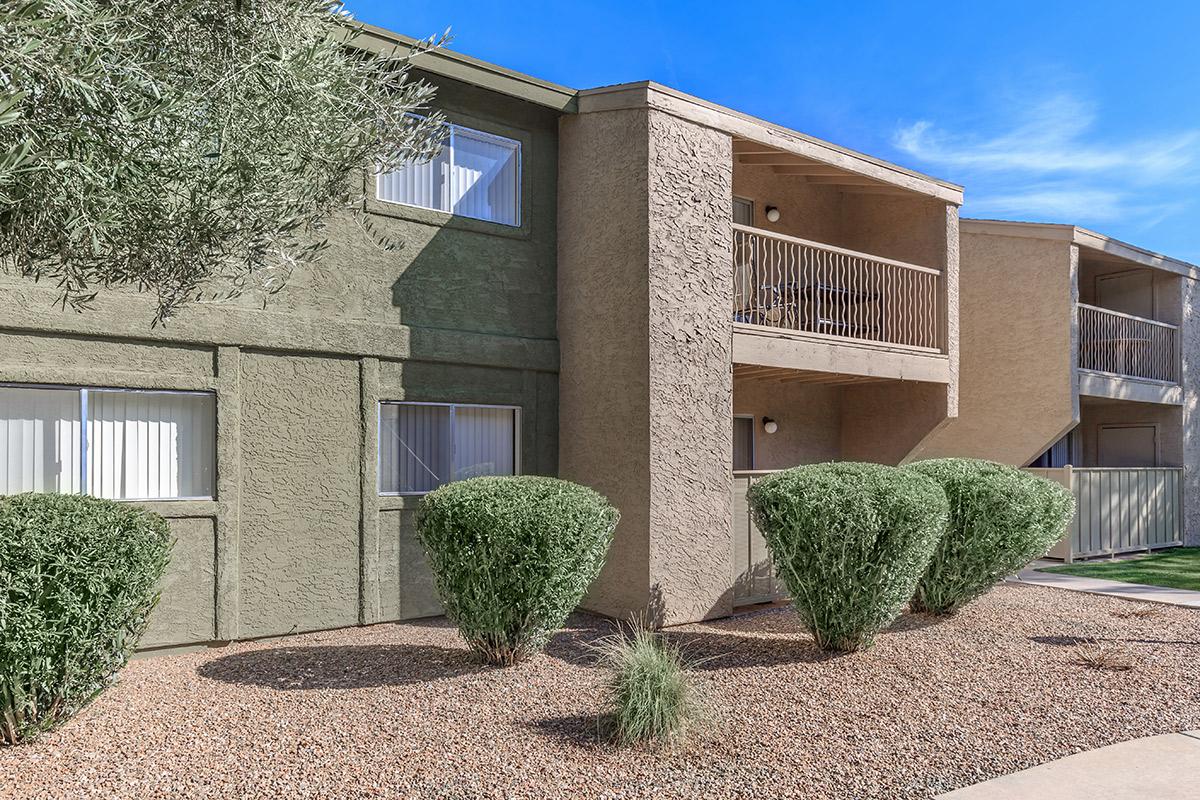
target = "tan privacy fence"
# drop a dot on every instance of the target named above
(754, 579)
(1120, 509)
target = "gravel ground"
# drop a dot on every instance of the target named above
(401, 711)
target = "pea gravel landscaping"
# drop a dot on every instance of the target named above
(402, 711)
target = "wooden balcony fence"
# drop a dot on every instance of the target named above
(797, 285)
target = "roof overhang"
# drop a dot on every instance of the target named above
(459, 67)
(1104, 246)
(748, 131)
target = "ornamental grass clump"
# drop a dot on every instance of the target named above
(849, 542)
(651, 693)
(513, 556)
(78, 580)
(1001, 518)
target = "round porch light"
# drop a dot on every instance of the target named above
(770, 425)
(772, 214)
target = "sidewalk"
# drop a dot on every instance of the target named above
(1127, 591)
(1162, 767)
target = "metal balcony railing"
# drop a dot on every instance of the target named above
(1122, 344)
(813, 288)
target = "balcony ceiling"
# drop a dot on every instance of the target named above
(808, 170)
(752, 372)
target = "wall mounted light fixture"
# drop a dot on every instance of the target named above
(772, 214)
(770, 425)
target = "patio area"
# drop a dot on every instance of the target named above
(402, 711)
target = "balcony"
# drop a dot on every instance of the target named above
(819, 291)
(1115, 343)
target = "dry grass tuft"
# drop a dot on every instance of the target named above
(1099, 655)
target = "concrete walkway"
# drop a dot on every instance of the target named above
(1128, 591)
(1162, 767)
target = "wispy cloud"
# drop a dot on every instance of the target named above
(1052, 136)
(1052, 160)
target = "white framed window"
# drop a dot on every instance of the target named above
(476, 175)
(425, 445)
(120, 444)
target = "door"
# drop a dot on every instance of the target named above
(1127, 446)
(743, 443)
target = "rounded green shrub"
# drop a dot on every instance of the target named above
(513, 556)
(849, 542)
(78, 580)
(1001, 518)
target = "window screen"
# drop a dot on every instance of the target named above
(113, 443)
(424, 445)
(476, 175)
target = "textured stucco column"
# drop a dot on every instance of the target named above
(646, 348)
(1189, 345)
(370, 609)
(229, 488)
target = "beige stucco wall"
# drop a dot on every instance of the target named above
(809, 418)
(909, 228)
(603, 321)
(1094, 413)
(887, 422)
(808, 211)
(1016, 349)
(644, 328)
(880, 422)
(1166, 285)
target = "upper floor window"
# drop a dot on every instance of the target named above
(424, 445)
(114, 443)
(476, 175)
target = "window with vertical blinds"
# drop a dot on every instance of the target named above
(475, 175)
(112, 443)
(425, 445)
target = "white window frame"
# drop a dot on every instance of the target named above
(449, 146)
(83, 432)
(451, 406)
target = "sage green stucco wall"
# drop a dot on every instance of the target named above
(297, 538)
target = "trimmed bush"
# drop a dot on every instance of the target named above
(849, 542)
(1001, 518)
(78, 580)
(650, 690)
(513, 556)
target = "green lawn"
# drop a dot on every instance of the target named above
(1178, 568)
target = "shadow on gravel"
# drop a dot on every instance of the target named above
(1071, 641)
(573, 643)
(582, 730)
(711, 650)
(915, 621)
(341, 667)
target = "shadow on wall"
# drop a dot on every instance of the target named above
(466, 280)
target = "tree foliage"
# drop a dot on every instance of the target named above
(190, 148)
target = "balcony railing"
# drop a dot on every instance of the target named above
(1122, 344)
(797, 285)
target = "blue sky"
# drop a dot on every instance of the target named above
(1083, 112)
